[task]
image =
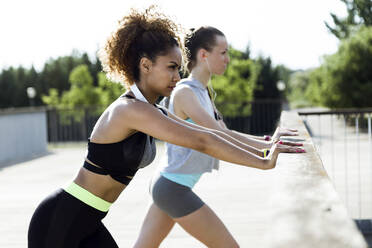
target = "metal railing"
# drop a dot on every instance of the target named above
(65, 125)
(344, 141)
(263, 119)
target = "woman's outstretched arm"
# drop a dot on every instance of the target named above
(186, 103)
(229, 138)
(147, 119)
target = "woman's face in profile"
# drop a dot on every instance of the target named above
(218, 58)
(164, 73)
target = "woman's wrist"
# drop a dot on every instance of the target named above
(265, 152)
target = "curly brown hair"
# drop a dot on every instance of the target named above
(140, 34)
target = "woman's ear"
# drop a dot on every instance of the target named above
(145, 65)
(202, 54)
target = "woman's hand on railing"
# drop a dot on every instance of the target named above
(289, 143)
(282, 131)
(280, 148)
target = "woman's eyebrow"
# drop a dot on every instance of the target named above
(172, 62)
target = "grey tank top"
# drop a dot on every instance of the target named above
(183, 160)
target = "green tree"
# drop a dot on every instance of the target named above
(315, 87)
(297, 85)
(8, 87)
(54, 75)
(345, 79)
(82, 92)
(75, 101)
(56, 72)
(13, 85)
(359, 13)
(235, 88)
(52, 99)
(108, 91)
(236, 54)
(21, 81)
(284, 75)
(268, 77)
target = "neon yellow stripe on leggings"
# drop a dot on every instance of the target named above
(87, 197)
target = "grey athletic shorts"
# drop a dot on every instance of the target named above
(175, 199)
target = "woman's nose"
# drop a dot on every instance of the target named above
(177, 77)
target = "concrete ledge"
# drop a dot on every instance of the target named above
(23, 135)
(305, 209)
(23, 110)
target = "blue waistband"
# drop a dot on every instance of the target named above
(188, 180)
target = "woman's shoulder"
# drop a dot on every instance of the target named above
(125, 107)
(185, 85)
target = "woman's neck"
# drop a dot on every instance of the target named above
(150, 96)
(201, 75)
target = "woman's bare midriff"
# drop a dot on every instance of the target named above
(103, 186)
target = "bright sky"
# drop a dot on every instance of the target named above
(291, 32)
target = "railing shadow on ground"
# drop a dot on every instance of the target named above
(18, 160)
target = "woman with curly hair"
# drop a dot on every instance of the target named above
(145, 53)
(192, 100)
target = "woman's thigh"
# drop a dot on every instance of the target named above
(101, 238)
(156, 226)
(191, 213)
(62, 221)
(204, 225)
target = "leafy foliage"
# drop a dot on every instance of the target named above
(345, 78)
(359, 13)
(54, 75)
(83, 93)
(235, 88)
(266, 86)
(75, 81)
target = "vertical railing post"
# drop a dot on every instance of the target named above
(370, 149)
(358, 159)
(332, 152)
(345, 154)
(320, 135)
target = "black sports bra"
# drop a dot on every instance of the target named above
(121, 160)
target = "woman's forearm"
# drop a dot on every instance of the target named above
(220, 148)
(253, 136)
(259, 144)
(238, 143)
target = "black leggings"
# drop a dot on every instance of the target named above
(62, 221)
